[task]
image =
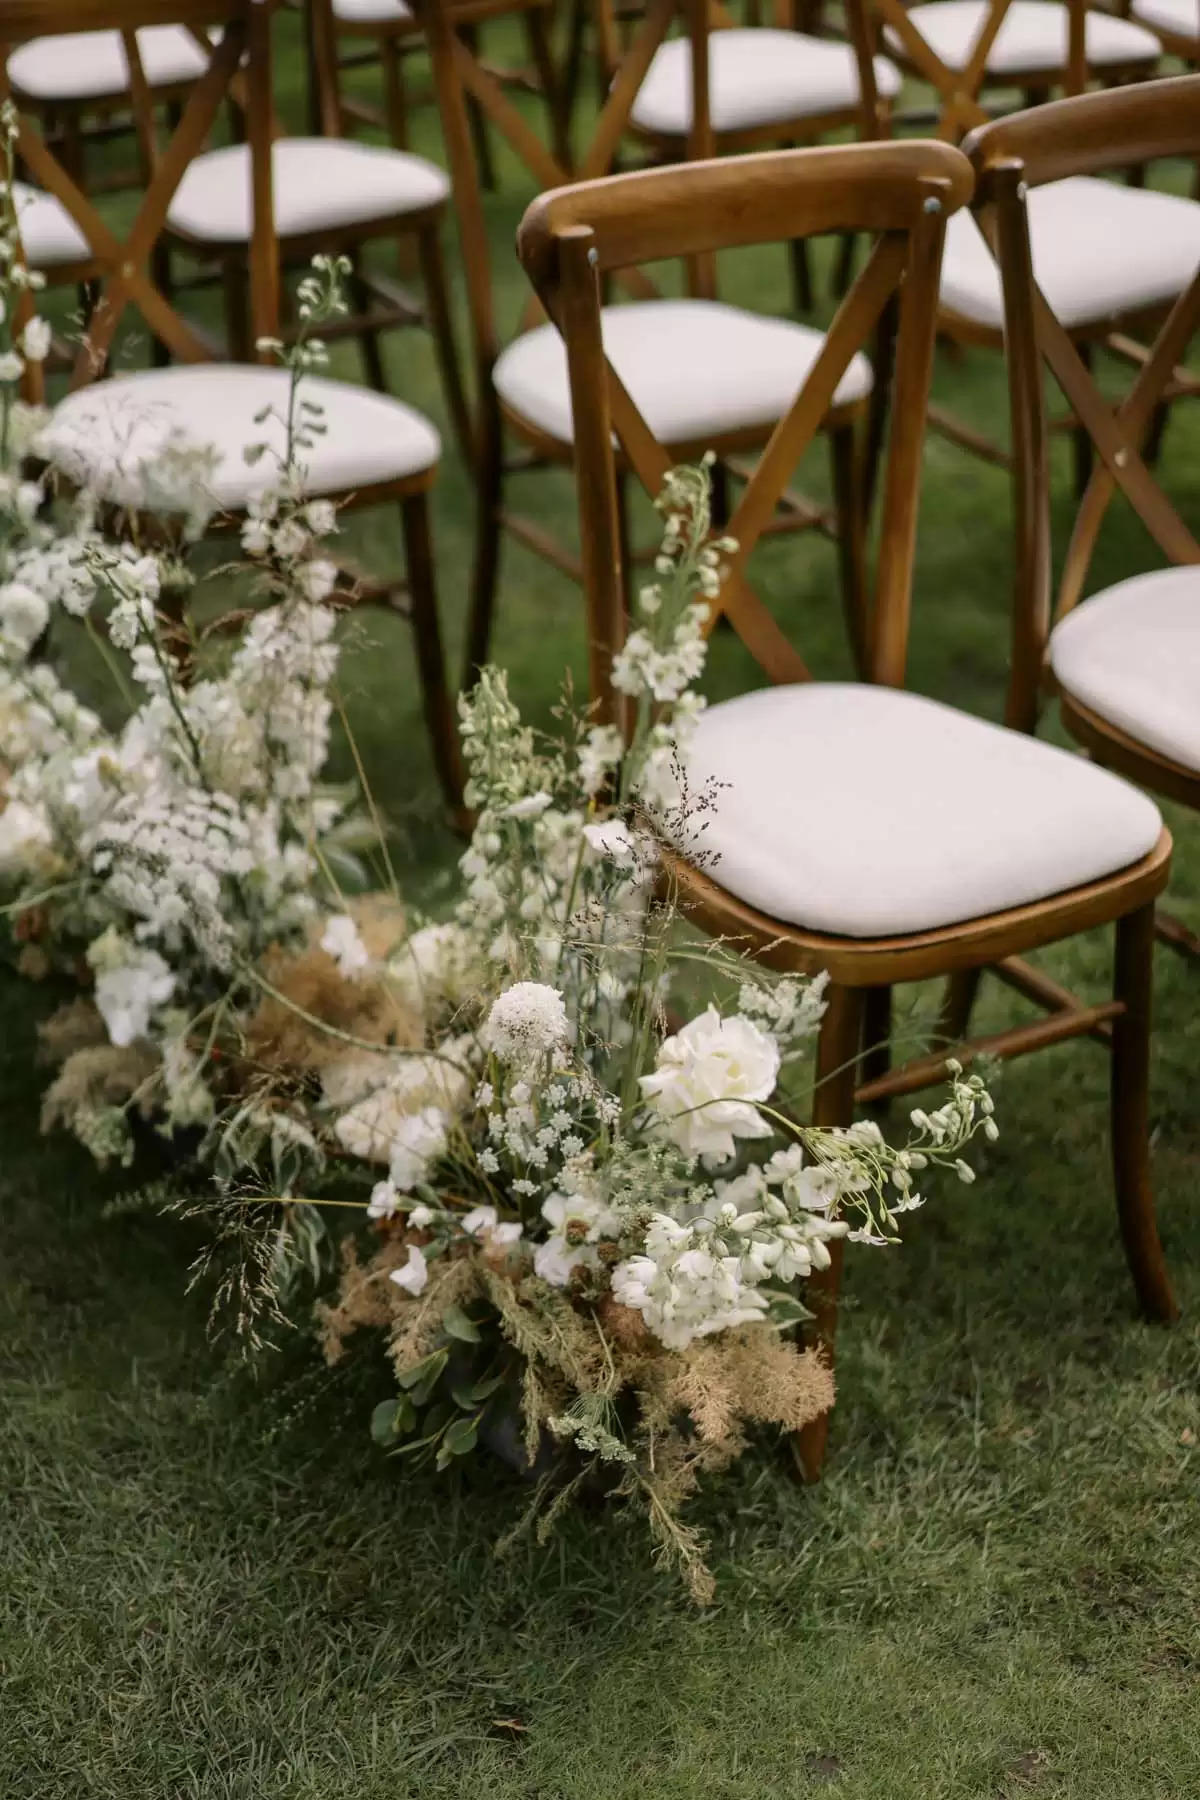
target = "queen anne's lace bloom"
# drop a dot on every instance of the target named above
(527, 1023)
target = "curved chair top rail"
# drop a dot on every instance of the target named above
(54, 18)
(728, 203)
(1089, 133)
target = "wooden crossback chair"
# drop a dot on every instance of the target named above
(662, 345)
(111, 433)
(1125, 665)
(1040, 46)
(330, 196)
(820, 857)
(388, 32)
(1175, 23)
(78, 85)
(963, 49)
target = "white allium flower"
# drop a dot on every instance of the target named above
(342, 941)
(705, 1082)
(11, 366)
(413, 1276)
(527, 1022)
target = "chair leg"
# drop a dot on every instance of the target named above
(876, 1057)
(1133, 979)
(445, 345)
(851, 536)
(1084, 458)
(489, 477)
(958, 1001)
(802, 287)
(431, 661)
(1180, 937)
(833, 1104)
(368, 336)
(477, 120)
(625, 539)
(395, 100)
(551, 85)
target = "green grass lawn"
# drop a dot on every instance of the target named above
(213, 1586)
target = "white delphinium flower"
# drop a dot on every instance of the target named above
(317, 578)
(131, 984)
(35, 340)
(342, 941)
(790, 1010)
(683, 1288)
(526, 1023)
(613, 840)
(26, 837)
(599, 754)
(414, 1275)
(705, 1083)
(24, 615)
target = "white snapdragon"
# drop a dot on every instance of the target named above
(706, 1081)
(415, 1273)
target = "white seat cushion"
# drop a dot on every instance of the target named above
(1032, 39)
(1132, 654)
(49, 235)
(371, 12)
(869, 812)
(91, 65)
(1179, 17)
(1100, 249)
(319, 183)
(113, 434)
(694, 368)
(755, 77)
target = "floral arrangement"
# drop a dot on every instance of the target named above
(567, 1132)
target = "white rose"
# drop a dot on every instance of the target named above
(707, 1077)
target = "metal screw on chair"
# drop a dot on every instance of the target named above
(932, 204)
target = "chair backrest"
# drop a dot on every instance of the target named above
(235, 37)
(1088, 135)
(901, 194)
(888, 28)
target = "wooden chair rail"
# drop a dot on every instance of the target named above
(757, 199)
(1089, 134)
(1019, 1040)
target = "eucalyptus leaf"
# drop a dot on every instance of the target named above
(456, 1324)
